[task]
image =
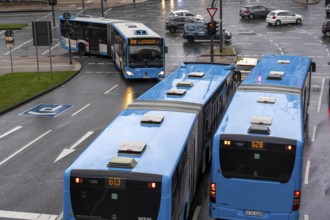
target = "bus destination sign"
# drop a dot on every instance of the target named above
(145, 41)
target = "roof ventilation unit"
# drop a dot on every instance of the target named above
(141, 32)
(196, 74)
(122, 162)
(178, 92)
(132, 147)
(266, 99)
(185, 84)
(261, 120)
(283, 61)
(152, 119)
(275, 75)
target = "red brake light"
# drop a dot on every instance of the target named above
(247, 11)
(213, 187)
(274, 17)
(296, 200)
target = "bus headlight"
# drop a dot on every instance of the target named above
(129, 73)
(161, 73)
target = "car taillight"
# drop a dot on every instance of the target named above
(296, 200)
(213, 187)
(274, 17)
(247, 11)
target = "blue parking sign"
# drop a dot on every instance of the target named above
(46, 110)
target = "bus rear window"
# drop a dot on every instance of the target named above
(257, 160)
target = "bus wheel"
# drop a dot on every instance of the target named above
(82, 49)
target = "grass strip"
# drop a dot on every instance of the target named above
(21, 86)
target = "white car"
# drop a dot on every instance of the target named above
(186, 13)
(279, 17)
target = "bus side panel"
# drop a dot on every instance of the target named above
(165, 204)
(67, 207)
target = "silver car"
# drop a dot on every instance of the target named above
(253, 11)
(279, 17)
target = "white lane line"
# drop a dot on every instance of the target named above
(89, 133)
(23, 148)
(321, 94)
(305, 217)
(19, 46)
(26, 215)
(80, 109)
(307, 171)
(11, 131)
(314, 133)
(47, 51)
(110, 89)
(66, 151)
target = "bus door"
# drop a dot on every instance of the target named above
(94, 38)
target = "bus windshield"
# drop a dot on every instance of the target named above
(273, 162)
(145, 56)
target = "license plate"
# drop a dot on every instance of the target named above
(146, 77)
(253, 213)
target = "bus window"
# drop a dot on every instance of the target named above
(145, 56)
(274, 162)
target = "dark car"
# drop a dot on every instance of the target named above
(253, 11)
(326, 27)
(198, 32)
(173, 24)
(327, 9)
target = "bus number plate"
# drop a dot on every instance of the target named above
(253, 213)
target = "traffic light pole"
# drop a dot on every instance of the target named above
(221, 32)
(212, 47)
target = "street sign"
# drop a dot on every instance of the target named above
(212, 11)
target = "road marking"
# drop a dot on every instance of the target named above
(321, 94)
(305, 217)
(80, 109)
(110, 89)
(314, 133)
(47, 51)
(67, 151)
(307, 171)
(196, 213)
(23, 148)
(11, 131)
(26, 215)
(19, 46)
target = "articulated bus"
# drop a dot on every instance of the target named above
(137, 51)
(256, 169)
(203, 88)
(147, 163)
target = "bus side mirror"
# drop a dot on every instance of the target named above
(166, 49)
(313, 66)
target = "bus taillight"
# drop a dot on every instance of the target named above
(213, 187)
(78, 180)
(296, 200)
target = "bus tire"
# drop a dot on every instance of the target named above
(82, 49)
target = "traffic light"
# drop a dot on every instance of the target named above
(52, 2)
(216, 27)
(210, 28)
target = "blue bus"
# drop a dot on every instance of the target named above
(257, 163)
(204, 88)
(147, 163)
(137, 51)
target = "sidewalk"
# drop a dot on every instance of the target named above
(30, 64)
